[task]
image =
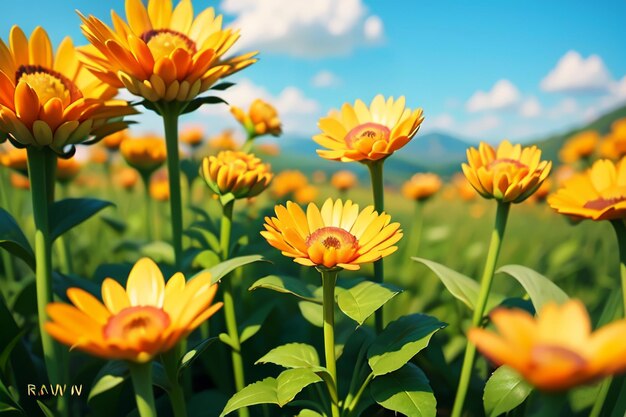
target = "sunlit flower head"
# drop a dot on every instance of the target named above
(509, 173)
(306, 194)
(225, 141)
(147, 318)
(14, 158)
(362, 133)
(113, 142)
(421, 186)
(238, 173)
(127, 178)
(598, 194)
(145, 154)
(556, 350)
(337, 235)
(49, 100)
(192, 136)
(67, 169)
(162, 53)
(160, 187)
(344, 180)
(613, 145)
(261, 119)
(287, 182)
(580, 146)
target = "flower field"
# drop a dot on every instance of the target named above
(181, 273)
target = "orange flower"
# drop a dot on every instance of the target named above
(579, 146)
(145, 154)
(421, 186)
(67, 169)
(261, 119)
(48, 100)
(161, 53)
(160, 187)
(224, 141)
(136, 324)
(113, 142)
(241, 174)
(359, 133)
(557, 350)
(613, 146)
(306, 194)
(127, 178)
(598, 194)
(287, 182)
(338, 235)
(463, 187)
(19, 181)
(510, 173)
(270, 149)
(97, 155)
(14, 158)
(343, 180)
(542, 192)
(192, 136)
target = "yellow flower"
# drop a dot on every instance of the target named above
(613, 146)
(147, 318)
(20, 181)
(510, 173)
(579, 146)
(224, 141)
(270, 149)
(113, 142)
(67, 169)
(306, 194)
(542, 192)
(557, 350)
(338, 235)
(48, 100)
(421, 186)
(144, 154)
(241, 174)
(463, 187)
(160, 187)
(598, 194)
(192, 136)
(359, 133)
(161, 53)
(127, 178)
(287, 182)
(343, 180)
(261, 119)
(14, 158)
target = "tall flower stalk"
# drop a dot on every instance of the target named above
(329, 280)
(378, 194)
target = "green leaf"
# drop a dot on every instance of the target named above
(400, 341)
(159, 252)
(196, 103)
(222, 269)
(206, 259)
(13, 240)
(110, 376)
(462, 287)
(292, 355)
(226, 339)
(405, 391)
(362, 300)
(44, 408)
(504, 391)
(539, 288)
(222, 86)
(116, 224)
(287, 285)
(194, 353)
(8, 348)
(262, 392)
(253, 323)
(69, 213)
(309, 413)
(204, 237)
(312, 312)
(290, 382)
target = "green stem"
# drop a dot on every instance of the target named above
(170, 122)
(329, 279)
(229, 303)
(7, 260)
(247, 146)
(145, 179)
(141, 375)
(63, 245)
(40, 182)
(376, 176)
(620, 231)
(359, 394)
(479, 310)
(176, 392)
(601, 397)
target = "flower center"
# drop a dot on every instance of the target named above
(511, 166)
(162, 42)
(555, 355)
(332, 237)
(136, 322)
(47, 83)
(372, 132)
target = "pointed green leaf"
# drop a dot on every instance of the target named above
(400, 341)
(206, 259)
(292, 355)
(539, 288)
(222, 86)
(110, 376)
(504, 391)
(362, 300)
(262, 392)
(462, 287)
(69, 213)
(13, 240)
(290, 382)
(405, 391)
(253, 324)
(44, 408)
(222, 269)
(287, 285)
(225, 338)
(194, 353)
(309, 413)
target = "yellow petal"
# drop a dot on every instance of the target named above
(146, 286)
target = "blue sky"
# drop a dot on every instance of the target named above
(541, 66)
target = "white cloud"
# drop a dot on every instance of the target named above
(530, 108)
(565, 107)
(298, 113)
(325, 79)
(502, 95)
(575, 74)
(478, 127)
(304, 28)
(440, 122)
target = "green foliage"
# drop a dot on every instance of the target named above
(13, 240)
(69, 213)
(362, 300)
(504, 391)
(539, 288)
(287, 285)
